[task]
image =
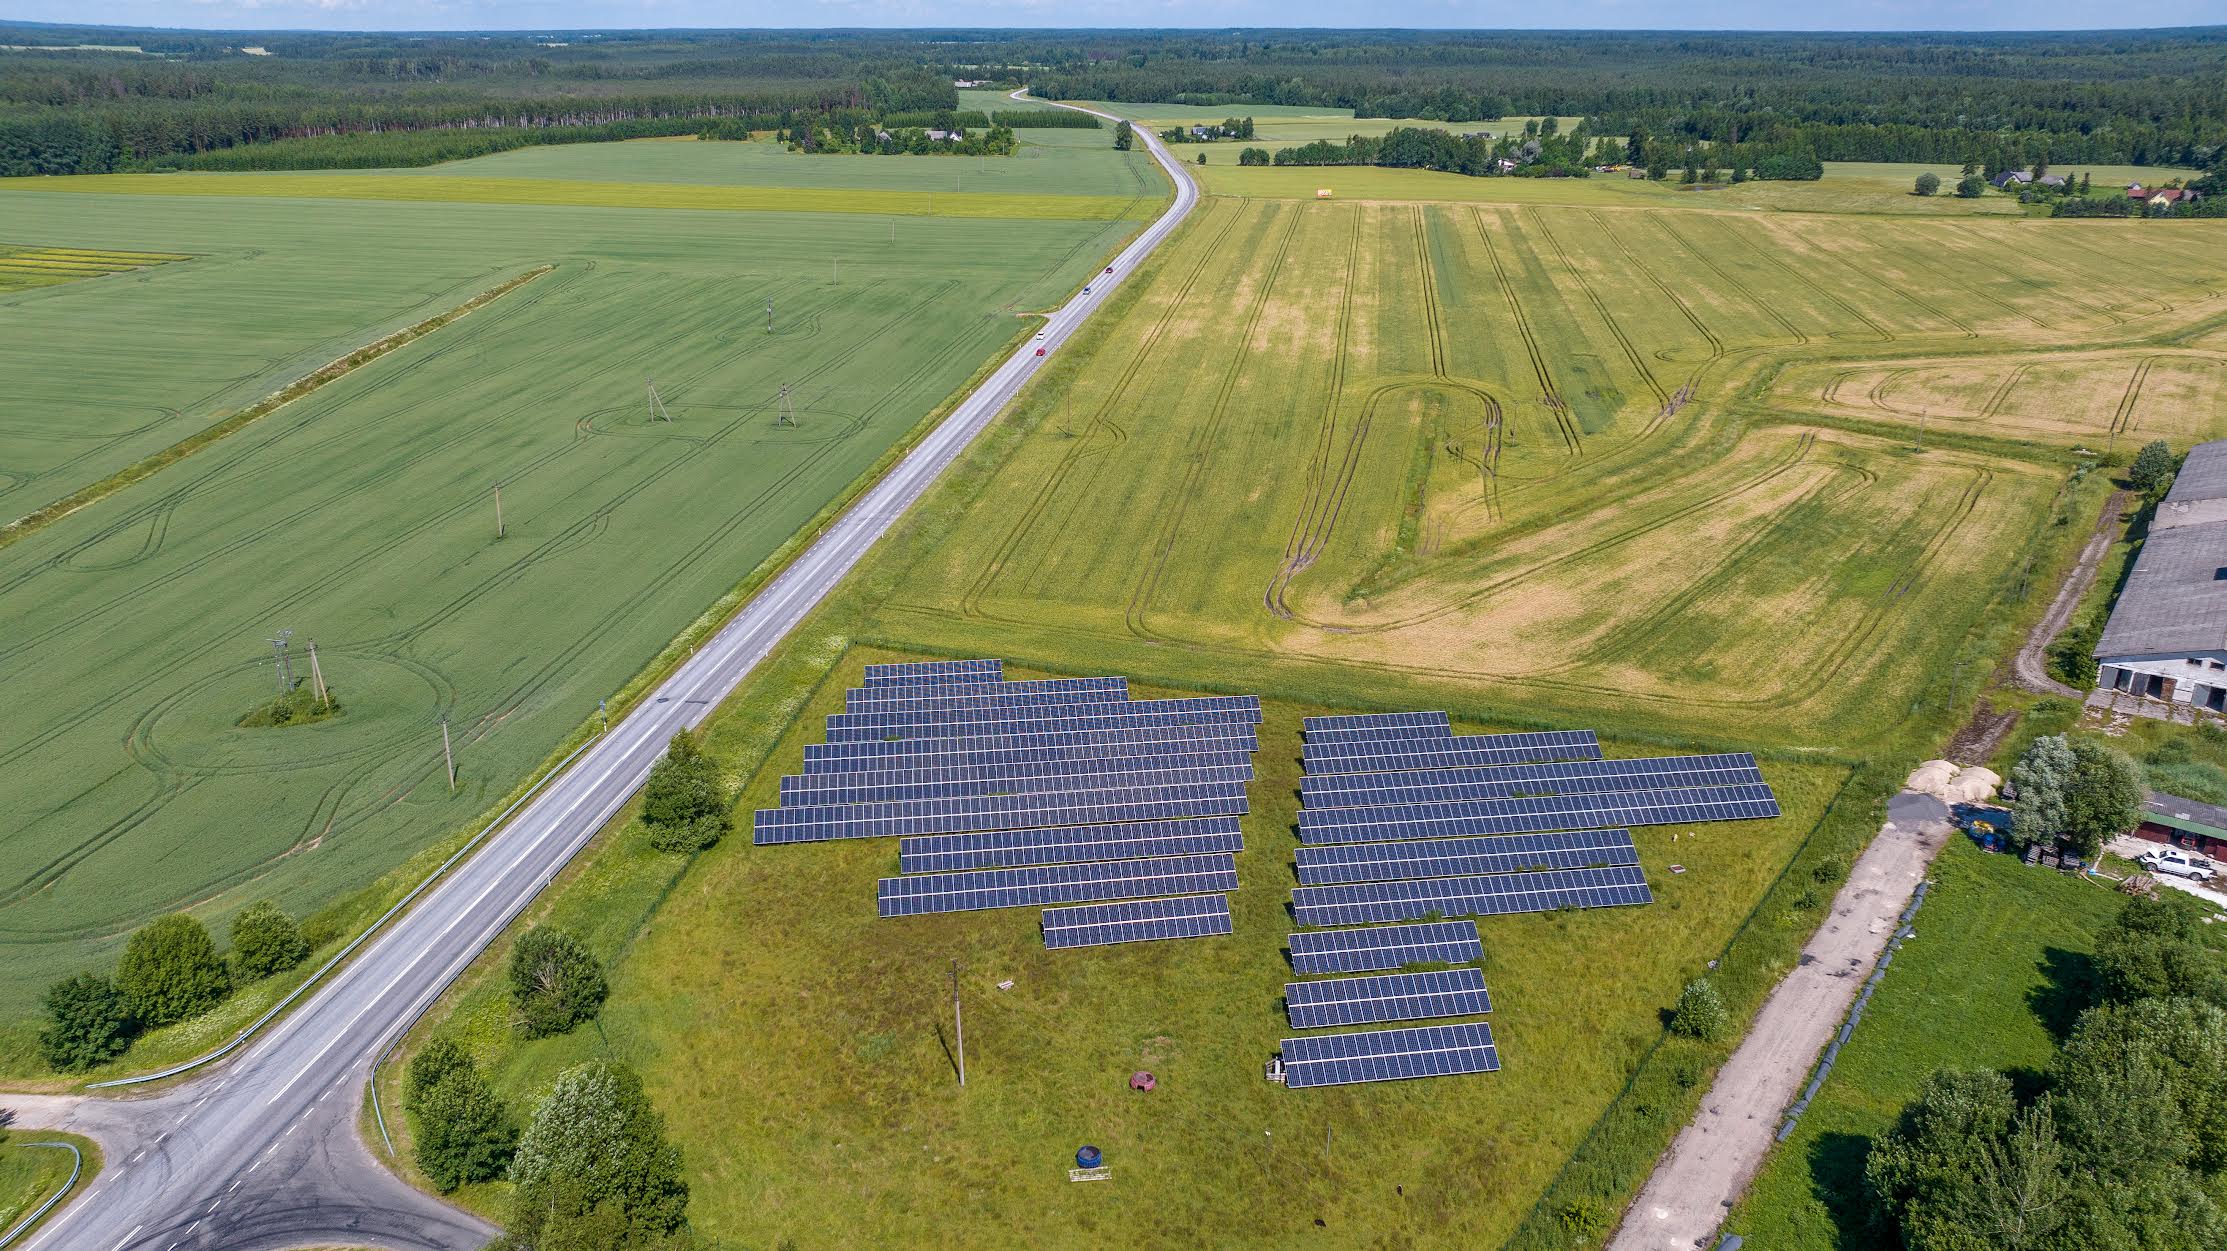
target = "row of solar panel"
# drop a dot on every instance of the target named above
(1139, 715)
(1353, 790)
(1386, 997)
(1069, 844)
(1363, 755)
(931, 671)
(997, 812)
(1385, 947)
(1129, 758)
(1518, 816)
(974, 695)
(1389, 1055)
(1376, 724)
(961, 722)
(1234, 767)
(906, 753)
(1498, 894)
(1136, 921)
(1464, 857)
(1055, 884)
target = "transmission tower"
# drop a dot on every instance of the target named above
(283, 663)
(657, 403)
(788, 411)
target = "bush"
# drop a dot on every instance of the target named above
(463, 1134)
(1928, 183)
(1700, 1012)
(2153, 468)
(1253, 156)
(2072, 658)
(1972, 188)
(88, 1022)
(2151, 950)
(171, 971)
(594, 1169)
(554, 982)
(685, 801)
(693, 837)
(265, 941)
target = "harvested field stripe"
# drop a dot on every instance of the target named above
(571, 193)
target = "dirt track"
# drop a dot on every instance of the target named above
(2031, 665)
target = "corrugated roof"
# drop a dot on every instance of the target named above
(2175, 600)
(2185, 814)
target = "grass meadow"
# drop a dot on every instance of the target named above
(362, 515)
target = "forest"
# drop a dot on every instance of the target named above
(155, 99)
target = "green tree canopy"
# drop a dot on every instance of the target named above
(1919, 1171)
(2150, 951)
(2153, 467)
(554, 982)
(1700, 1012)
(2104, 797)
(171, 971)
(2040, 778)
(685, 802)
(1124, 137)
(596, 1156)
(1971, 187)
(1928, 183)
(87, 1023)
(463, 1133)
(265, 941)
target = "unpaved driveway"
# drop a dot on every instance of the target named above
(2031, 665)
(1716, 1155)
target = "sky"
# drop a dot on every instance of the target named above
(1458, 14)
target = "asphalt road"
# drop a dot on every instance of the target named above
(264, 1152)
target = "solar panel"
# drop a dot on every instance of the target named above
(1073, 745)
(1497, 895)
(1142, 758)
(965, 731)
(1389, 1055)
(1333, 754)
(1070, 777)
(817, 823)
(931, 853)
(1380, 725)
(985, 694)
(1097, 925)
(961, 722)
(931, 671)
(1385, 947)
(1055, 884)
(1457, 857)
(1353, 790)
(1388, 997)
(1518, 816)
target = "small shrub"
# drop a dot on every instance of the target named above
(692, 836)
(1830, 871)
(265, 941)
(88, 1022)
(1700, 1013)
(554, 982)
(1581, 1220)
(171, 971)
(1928, 183)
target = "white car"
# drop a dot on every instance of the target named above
(1039, 336)
(2180, 864)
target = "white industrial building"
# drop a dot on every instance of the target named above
(2167, 636)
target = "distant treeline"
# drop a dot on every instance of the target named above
(395, 149)
(1541, 153)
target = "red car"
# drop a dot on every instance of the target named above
(1039, 351)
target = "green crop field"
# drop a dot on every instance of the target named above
(362, 515)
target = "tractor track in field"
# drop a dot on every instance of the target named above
(1549, 394)
(1299, 546)
(1801, 338)
(1600, 310)
(971, 602)
(1708, 335)
(1203, 444)
(1772, 255)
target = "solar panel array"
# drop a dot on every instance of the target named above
(1386, 997)
(1403, 822)
(1390, 1055)
(1144, 920)
(1054, 791)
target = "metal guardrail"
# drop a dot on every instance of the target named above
(319, 976)
(77, 1169)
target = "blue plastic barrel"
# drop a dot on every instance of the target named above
(1088, 1157)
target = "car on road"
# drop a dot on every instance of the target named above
(1039, 351)
(1086, 290)
(2178, 863)
(1109, 269)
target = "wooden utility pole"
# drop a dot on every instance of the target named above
(448, 755)
(958, 1024)
(498, 512)
(317, 676)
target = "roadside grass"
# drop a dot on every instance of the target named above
(1997, 973)
(29, 1174)
(779, 949)
(460, 189)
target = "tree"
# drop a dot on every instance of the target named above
(87, 1023)
(685, 801)
(1928, 183)
(2151, 951)
(1972, 187)
(1971, 167)
(171, 971)
(1124, 137)
(1253, 156)
(596, 1156)
(1700, 1012)
(1921, 1166)
(463, 1134)
(2142, 1086)
(554, 983)
(265, 941)
(1202, 158)
(2103, 798)
(2041, 776)
(2153, 467)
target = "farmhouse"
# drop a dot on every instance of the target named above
(2184, 823)
(2167, 636)
(2160, 197)
(2012, 177)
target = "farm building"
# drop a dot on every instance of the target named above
(2184, 823)
(2167, 636)
(2012, 178)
